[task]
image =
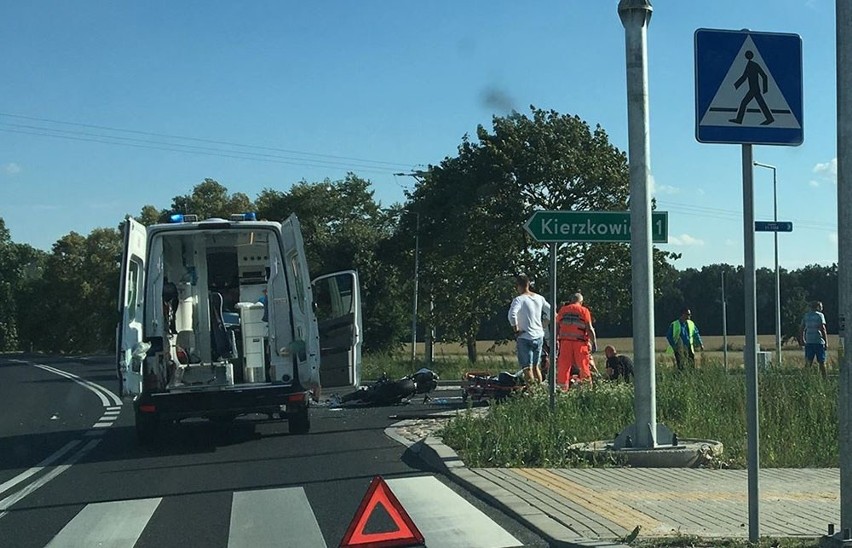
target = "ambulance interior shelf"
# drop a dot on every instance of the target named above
(235, 276)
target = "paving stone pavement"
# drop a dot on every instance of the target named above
(608, 503)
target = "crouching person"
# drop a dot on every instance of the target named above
(617, 365)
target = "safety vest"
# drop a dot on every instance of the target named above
(690, 331)
(571, 323)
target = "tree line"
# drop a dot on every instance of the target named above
(468, 212)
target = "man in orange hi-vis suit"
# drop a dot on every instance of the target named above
(577, 340)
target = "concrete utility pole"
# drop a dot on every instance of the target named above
(418, 177)
(777, 271)
(844, 252)
(635, 15)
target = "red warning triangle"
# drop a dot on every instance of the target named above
(405, 534)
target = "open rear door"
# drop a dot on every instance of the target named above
(337, 299)
(306, 338)
(130, 307)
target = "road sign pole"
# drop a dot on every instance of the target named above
(844, 251)
(752, 424)
(551, 371)
(635, 16)
(777, 278)
(724, 324)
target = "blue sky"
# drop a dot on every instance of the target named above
(378, 87)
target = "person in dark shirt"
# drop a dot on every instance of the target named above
(617, 366)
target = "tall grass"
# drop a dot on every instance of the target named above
(798, 419)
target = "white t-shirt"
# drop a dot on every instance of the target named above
(526, 312)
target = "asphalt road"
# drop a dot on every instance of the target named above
(72, 473)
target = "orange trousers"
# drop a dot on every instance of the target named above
(572, 353)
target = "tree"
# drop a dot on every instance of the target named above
(76, 296)
(9, 277)
(473, 206)
(345, 228)
(209, 199)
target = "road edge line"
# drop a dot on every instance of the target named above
(103, 393)
(50, 459)
(18, 496)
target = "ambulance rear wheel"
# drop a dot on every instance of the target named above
(299, 421)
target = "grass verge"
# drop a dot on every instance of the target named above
(688, 541)
(798, 419)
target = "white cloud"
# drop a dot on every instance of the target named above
(12, 168)
(661, 189)
(667, 189)
(730, 242)
(832, 237)
(827, 170)
(685, 240)
(813, 183)
(700, 192)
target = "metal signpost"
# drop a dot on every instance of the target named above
(843, 17)
(555, 227)
(777, 270)
(748, 90)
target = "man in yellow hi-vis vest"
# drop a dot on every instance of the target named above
(683, 337)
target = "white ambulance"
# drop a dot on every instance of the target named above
(219, 318)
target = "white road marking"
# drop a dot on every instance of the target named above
(102, 392)
(108, 418)
(39, 467)
(16, 497)
(102, 425)
(115, 412)
(445, 518)
(273, 517)
(117, 524)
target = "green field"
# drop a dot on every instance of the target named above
(503, 352)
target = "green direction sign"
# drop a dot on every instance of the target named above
(592, 226)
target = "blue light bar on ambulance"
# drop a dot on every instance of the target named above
(183, 218)
(244, 217)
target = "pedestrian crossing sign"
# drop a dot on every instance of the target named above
(748, 87)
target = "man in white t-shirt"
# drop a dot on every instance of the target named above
(528, 316)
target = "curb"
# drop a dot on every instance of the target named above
(435, 453)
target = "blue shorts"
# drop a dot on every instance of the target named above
(815, 351)
(529, 352)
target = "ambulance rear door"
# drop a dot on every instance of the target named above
(305, 345)
(130, 308)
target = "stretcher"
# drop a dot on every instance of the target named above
(484, 386)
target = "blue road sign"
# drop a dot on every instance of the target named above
(748, 87)
(771, 226)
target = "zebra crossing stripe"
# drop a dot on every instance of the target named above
(445, 518)
(115, 524)
(273, 517)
